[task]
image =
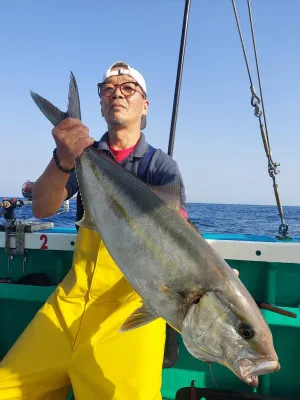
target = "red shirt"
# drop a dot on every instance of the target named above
(122, 153)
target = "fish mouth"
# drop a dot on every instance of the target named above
(250, 370)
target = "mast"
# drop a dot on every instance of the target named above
(179, 76)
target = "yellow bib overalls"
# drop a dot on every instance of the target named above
(74, 338)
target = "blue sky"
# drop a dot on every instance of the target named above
(218, 145)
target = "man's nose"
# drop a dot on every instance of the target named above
(117, 93)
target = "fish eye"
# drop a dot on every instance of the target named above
(246, 331)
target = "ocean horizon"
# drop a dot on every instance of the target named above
(208, 217)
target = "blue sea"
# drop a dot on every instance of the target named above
(210, 218)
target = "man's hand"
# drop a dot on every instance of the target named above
(71, 138)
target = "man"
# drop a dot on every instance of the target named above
(125, 115)
(75, 337)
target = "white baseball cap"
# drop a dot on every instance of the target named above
(125, 69)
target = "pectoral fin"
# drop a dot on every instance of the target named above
(140, 317)
(87, 221)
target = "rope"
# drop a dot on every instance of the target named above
(261, 115)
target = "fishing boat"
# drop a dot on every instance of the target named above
(35, 256)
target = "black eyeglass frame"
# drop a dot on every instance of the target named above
(99, 85)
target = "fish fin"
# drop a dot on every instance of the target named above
(194, 227)
(52, 113)
(169, 193)
(73, 99)
(142, 316)
(174, 328)
(87, 222)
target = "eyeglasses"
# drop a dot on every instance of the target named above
(128, 89)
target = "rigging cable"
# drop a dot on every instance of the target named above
(261, 115)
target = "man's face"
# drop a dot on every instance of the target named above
(120, 109)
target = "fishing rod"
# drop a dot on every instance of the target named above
(171, 336)
(8, 206)
(276, 310)
(179, 76)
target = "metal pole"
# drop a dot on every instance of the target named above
(179, 76)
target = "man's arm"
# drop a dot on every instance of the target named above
(49, 191)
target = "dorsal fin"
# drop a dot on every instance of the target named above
(169, 193)
(194, 227)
